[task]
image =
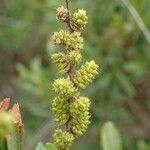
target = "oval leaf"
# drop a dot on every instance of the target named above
(110, 137)
(50, 146)
(40, 146)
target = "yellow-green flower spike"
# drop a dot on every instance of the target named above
(68, 107)
(79, 20)
(64, 88)
(60, 108)
(62, 139)
(62, 63)
(85, 74)
(6, 124)
(79, 111)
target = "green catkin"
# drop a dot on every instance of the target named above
(64, 88)
(75, 41)
(74, 57)
(68, 107)
(61, 61)
(79, 20)
(61, 37)
(60, 108)
(86, 74)
(62, 139)
(79, 111)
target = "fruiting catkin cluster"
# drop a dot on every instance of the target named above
(69, 108)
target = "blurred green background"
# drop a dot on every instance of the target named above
(117, 37)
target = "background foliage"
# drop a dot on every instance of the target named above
(113, 38)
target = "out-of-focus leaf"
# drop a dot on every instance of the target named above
(3, 144)
(134, 67)
(125, 83)
(23, 72)
(40, 146)
(105, 80)
(110, 137)
(13, 140)
(138, 4)
(141, 145)
(50, 146)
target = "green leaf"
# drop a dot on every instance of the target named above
(40, 146)
(110, 137)
(13, 141)
(50, 146)
(3, 144)
(142, 145)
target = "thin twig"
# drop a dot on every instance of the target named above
(138, 19)
(68, 17)
(70, 72)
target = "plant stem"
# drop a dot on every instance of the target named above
(70, 72)
(21, 137)
(68, 17)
